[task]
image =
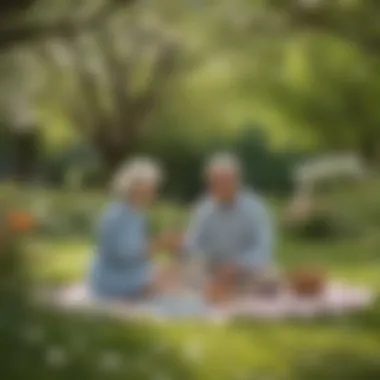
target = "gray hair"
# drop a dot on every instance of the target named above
(223, 161)
(140, 169)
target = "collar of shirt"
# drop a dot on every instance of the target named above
(134, 211)
(236, 202)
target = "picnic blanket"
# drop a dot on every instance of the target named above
(337, 299)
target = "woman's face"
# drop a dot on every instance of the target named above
(143, 194)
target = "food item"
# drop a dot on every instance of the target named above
(217, 292)
(267, 287)
(307, 282)
(262, 283)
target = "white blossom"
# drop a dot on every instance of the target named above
(33, 334)
(141, 364)
(56, 357)
(310, 3)
(243, 375)
(111, 361)
(159, 348)
(193, 351)
(160, 376)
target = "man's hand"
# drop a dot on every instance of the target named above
(169, 242)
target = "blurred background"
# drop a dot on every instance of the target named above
(291, 86)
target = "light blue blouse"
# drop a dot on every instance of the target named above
(241, 233)
(121, 266)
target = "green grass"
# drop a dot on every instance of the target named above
(254, 350)
(63, 261)
(342, 348)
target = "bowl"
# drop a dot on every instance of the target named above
(307, 282)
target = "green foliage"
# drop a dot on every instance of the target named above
(266, 169)
(39, 342)
(340, 364)
(317, 226)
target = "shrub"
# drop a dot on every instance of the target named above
(37, 342)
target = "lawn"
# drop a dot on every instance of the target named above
(343, 348)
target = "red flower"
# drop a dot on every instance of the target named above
(21, 221)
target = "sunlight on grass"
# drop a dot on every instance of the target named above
(65, 261)
(59, 262)
(227, 352)
(245, 351)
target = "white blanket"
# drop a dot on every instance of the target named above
(337, 299)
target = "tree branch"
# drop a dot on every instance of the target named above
(13, 35)
(352, 23)
(117, 73)
(162, 69)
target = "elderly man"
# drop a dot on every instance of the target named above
(230, 226)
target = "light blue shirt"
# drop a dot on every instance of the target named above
(121, 266)
(240, 233)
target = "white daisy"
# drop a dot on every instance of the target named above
(111, 361)
(33, 334)
(160, 376)
(56, 357)
(193, 351)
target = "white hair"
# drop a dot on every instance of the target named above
(134, 171)
(223, 161)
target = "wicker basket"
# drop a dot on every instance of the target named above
(307, 282)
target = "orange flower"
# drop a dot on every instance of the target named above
(20, 221)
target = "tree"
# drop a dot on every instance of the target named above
(105, 106)
(17, 27)
(115, 89)
(354, 21)
(322, 70)
(19, 30)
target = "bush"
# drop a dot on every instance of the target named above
(339, 364)
(37, 342)
(316, 226)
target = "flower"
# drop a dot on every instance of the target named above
(160, 376)
(111, 361)
(193, 351)
(56, 357)
(33, 334)
(21, 221)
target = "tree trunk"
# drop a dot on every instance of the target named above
(115, 143)
(113, 155)
(369, 148)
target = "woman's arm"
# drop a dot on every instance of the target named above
(118, 238)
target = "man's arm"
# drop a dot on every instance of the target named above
(194, 238)
(116, 237)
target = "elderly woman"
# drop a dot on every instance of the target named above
(122, 267)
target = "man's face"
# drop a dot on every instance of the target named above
(223, 184)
